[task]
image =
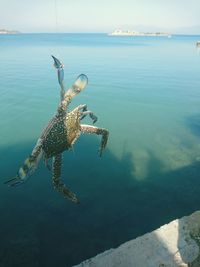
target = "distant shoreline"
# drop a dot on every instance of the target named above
(4, 31)
(119, 32)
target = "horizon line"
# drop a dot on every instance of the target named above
(192, 34)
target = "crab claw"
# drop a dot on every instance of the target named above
(80, 83)
(14, 181)
(57, 63)
(78, 86)
(60, 67)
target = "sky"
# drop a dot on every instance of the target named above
(175, 16)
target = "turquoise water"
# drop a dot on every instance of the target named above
(146, 91)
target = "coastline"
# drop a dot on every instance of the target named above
(135, 33)
(3, 31)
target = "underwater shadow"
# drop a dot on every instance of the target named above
(193, 123)
(41, 228)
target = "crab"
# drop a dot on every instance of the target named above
(60, 135)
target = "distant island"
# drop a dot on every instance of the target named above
(4, 31)
(120, 32)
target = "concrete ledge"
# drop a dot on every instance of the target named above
(176, 244)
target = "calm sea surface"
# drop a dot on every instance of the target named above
(146, 91)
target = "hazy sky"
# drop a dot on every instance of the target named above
(100, 15)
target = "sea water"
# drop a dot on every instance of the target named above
(146, 92)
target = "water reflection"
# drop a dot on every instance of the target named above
(115, 206)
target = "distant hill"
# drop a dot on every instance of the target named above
(4, 31)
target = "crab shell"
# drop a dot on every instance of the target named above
(61, 133)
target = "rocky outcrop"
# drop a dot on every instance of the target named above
(176, 244)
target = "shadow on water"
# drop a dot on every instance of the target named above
(40, 228)
(193, 122)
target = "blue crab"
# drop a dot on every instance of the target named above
(60, 134)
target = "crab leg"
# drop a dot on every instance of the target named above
(28, 167)
(99, 131)
(86, 112)
(90, 113)
(58, 184)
